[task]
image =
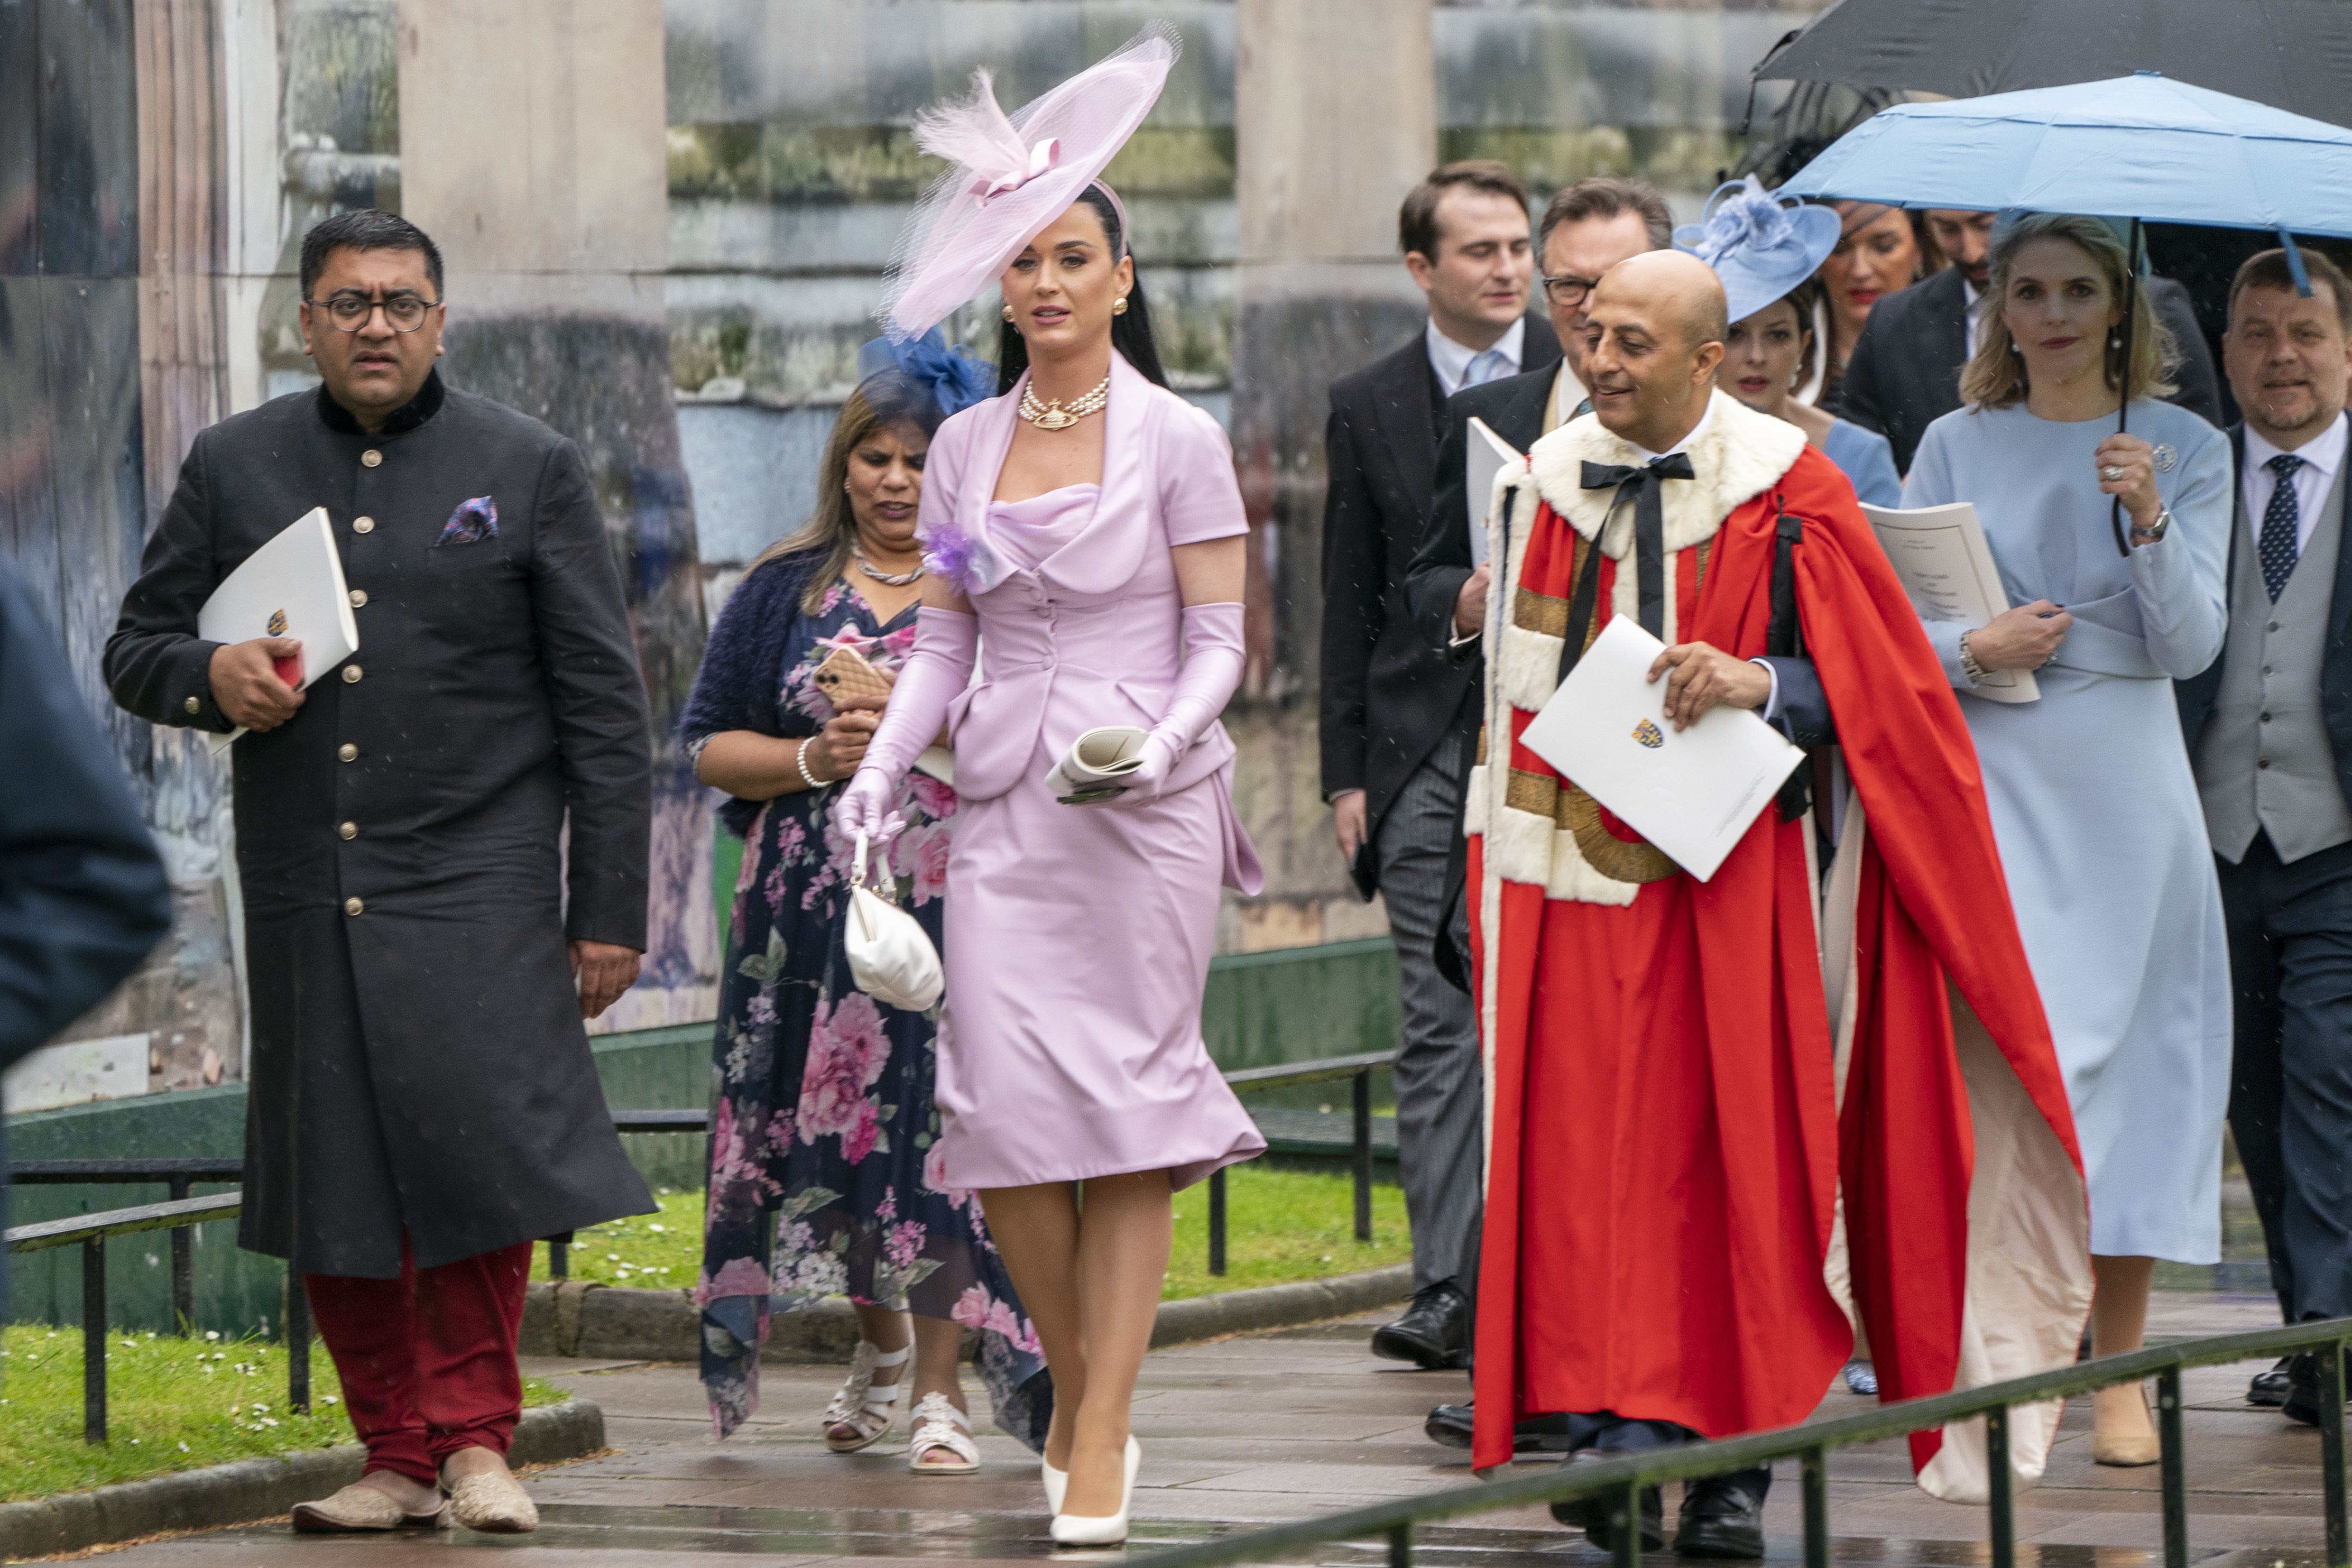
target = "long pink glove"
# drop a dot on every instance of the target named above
(946, 646)
(1212, 674)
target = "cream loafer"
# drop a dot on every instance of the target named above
(494, 1502)
(358, 1509)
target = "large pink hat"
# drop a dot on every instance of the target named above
(1009, 177)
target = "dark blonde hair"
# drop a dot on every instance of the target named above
(1994, 376)
(882, 403)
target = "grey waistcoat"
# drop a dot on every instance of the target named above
(2264, 759)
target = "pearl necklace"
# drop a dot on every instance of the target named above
(1051, 414)
(896, 579)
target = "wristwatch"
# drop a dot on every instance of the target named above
(2154, 530)
(1969, 667)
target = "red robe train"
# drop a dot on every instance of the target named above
(1667, 1143)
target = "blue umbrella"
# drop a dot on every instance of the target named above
(2142, 147)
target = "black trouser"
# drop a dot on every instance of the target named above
(1623, 1435)
(2291, 1077)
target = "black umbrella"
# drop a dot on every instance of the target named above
(2294, 55)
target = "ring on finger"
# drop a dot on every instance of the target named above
(2112, 472)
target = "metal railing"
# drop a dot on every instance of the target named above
(90, 1232)
(1245, 1081)
(177, 1174)
(1621, 1481)
(1358, 1069)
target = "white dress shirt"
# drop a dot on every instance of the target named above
(1566, 392)
(1969, 295)
(2322, 456)
(1451, 360)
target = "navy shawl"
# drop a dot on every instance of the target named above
(736, 686)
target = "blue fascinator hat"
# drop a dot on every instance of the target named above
(953, 377)
(1760, 246)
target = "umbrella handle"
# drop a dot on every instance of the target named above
(2123, 402)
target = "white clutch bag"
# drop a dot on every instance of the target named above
(1096, 763)
(890, 957)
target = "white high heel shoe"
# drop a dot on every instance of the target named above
(1094, 1530)
(1056, 1483)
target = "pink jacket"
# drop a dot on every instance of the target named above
(1094, 635)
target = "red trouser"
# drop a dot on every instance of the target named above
(427, 1359)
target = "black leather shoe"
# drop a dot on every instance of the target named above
(1433, 1333)
(2268, 1388)
(1591, 1515)
(1449, 1426)
(2302, 1402)
(1720, 1518)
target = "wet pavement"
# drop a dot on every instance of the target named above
(1278, 1427)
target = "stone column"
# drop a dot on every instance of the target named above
(531, 148)
(1335, 118)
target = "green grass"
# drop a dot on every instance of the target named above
(172, 1404)
(1280, 1227)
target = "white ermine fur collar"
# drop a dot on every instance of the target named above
(1740, 455)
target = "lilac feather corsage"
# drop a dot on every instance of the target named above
(963, 558)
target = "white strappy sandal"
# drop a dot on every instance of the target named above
(938, 1425)
(859, 1405)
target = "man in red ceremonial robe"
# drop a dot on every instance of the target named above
(1688, 1080)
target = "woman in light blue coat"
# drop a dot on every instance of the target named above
(2097, 813)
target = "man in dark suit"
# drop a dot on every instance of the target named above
(1588, 228)
(1393, 710)
(442, 846)
(2269, 730)
(1906, 370)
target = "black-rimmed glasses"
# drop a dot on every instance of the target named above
(349, 312)
(1568, 292)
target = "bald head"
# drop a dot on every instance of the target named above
(1675, 286)
(1653, 334)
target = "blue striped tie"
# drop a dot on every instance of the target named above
(2282, 520)
(1484, 367)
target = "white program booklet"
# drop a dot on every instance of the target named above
(1692, 794)
(1487, 456)
(291, 587)
(1947, 567)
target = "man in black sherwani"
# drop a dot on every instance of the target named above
(422, 940)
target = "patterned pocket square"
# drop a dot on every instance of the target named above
(472, 522)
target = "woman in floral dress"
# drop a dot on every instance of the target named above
(825, 1169)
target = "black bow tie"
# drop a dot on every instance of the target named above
(1643, 485)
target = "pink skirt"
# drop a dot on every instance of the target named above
(1077, 947)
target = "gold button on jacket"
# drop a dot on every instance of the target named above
(349, 831)
(363, 525)
(348, 752)
(351, 675)
(371, 457)
(192, 705)
(358, 598)
(352, 906)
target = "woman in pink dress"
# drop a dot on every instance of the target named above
(1085, 526)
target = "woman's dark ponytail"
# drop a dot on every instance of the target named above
(1130, 332)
